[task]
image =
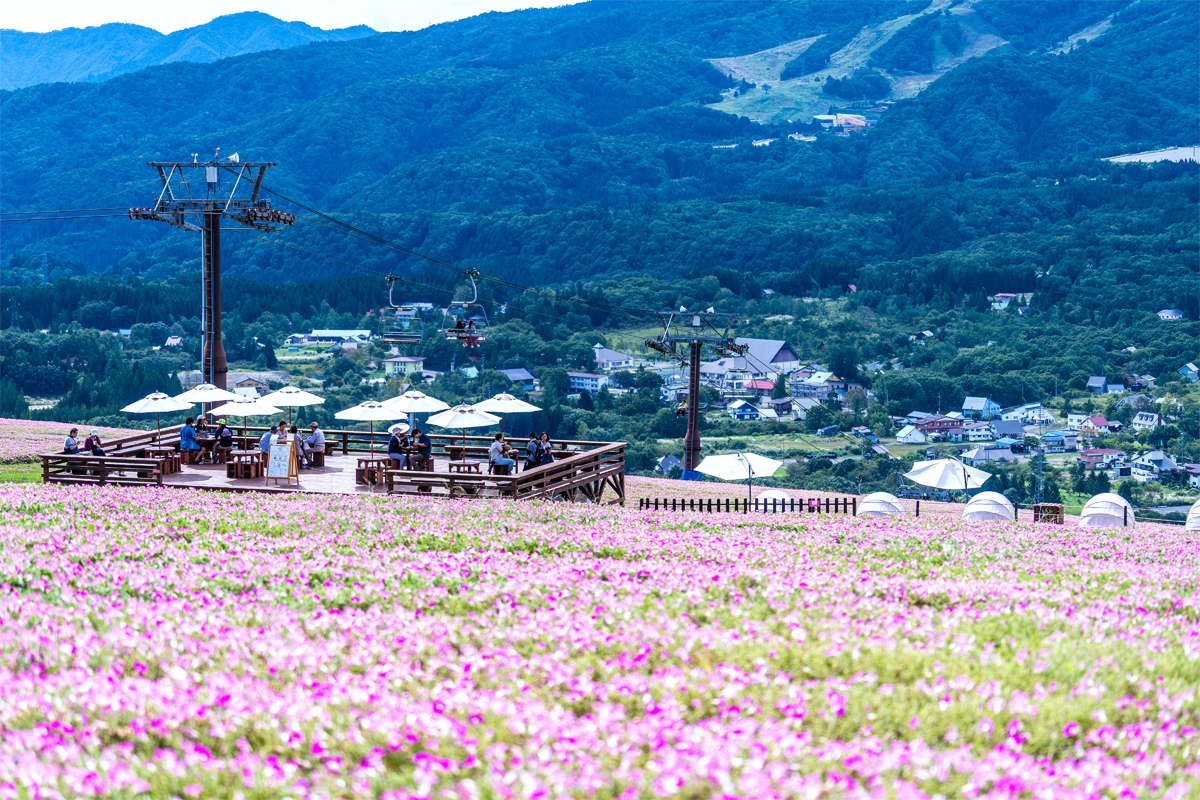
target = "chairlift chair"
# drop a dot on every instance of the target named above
(466, 321)
(400, 323)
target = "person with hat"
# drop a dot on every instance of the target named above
(315, 443)
(224, 441)
(397, 443)
(92, 444)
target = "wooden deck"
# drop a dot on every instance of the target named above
(585, 471)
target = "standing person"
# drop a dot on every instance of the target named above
(187, 437)
(532, 448)
(70, 446)
(424, 448)
(92, 444)
(315, 443)
(498, 453)
(545, 456)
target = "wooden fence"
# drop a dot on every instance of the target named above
(582, 476)
(810, 505)
(101, 470)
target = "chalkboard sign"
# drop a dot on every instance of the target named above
(282, 464)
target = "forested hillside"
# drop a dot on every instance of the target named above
(95, 54)
(579, 148)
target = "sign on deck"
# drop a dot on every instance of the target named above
(282, 464)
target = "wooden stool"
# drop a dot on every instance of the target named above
(499, 469)
(317, 458)
(189, 456)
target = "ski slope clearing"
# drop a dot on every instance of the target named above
(169, 644)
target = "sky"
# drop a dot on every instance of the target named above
(167, 16)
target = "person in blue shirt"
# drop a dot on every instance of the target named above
(187, 436)
(264, 444)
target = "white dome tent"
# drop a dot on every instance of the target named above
(773, 494)
(881, 504)
(1106, 510)
(989, 507)
(1193, 517)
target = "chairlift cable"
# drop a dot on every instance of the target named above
(44, 219)
(375, 239)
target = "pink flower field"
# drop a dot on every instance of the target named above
(23, 440)
(169, 644)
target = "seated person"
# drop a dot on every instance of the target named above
(424, 449)
(92, 444)
(201, 425)
(264, 444)
(315, 443)
(70, 446)
(532, 451)
(224, 439)
(297, 441)
(498, 453)
(397, 443)
(187, 437)
(546, 455)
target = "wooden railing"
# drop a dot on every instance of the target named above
(810, 505)
(587, 474)
(101, 470)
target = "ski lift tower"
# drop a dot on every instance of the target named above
(694, 329)
(195, 196)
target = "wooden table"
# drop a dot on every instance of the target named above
(244, 464)
(169, 456)
(465, 466)
(370, 469)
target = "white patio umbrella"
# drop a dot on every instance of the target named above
(290, 397)
(206, 393)
(881, 504)
(1107, 510)
(246, 407)
(739, 467)
(947, 473)
(156, 403)
(502, 404)
(1193, 517)
(463, 416)
(415, 402)
(369, 411)
(988, 507)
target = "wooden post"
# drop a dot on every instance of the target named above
(854, 500)
(826, 505)
(918, 508)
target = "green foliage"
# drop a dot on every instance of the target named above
(914, 47)
(862, 85)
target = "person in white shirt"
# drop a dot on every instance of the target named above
(315, 443)
(497, 453)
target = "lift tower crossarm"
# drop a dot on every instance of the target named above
(177, 206)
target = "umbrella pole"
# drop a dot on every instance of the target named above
(158, 422)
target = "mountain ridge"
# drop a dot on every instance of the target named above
(98, 53)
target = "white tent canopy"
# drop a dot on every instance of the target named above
(947, 473)
(1193, 517)
(773, 494)
(1107, 510)
(881, 504)
(989, 507)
